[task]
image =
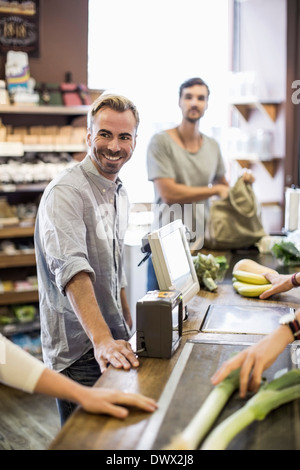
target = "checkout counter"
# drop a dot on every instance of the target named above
(181, 383)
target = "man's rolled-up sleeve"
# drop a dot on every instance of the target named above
(69, 269)
(64, 236)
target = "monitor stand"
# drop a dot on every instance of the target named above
(186, 314)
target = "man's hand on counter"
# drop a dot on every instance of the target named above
(118, 353)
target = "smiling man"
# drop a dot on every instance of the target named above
(111, 138)
(79, 235)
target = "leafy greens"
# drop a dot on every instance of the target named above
(287, 252)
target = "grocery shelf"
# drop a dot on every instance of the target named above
(245, 107)
(19, 297)
(17, 259)
(21, 264)
(17, 149)
(24, 187)
(16, 231)
(271, 165)
(36, 109)
(22, 327)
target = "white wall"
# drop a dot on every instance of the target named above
(146, 52)
(263, 49)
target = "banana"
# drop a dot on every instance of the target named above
(254, 290)
(249, 284)
(250, 278)
(237, 285)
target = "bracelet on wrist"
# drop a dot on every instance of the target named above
(291, 321)
(295, 328)
(294, 280)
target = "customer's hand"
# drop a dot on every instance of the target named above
(108, 401)
(254, 360)
(118, 353)
(280, 283)
(92, 399)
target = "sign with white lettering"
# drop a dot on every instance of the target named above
(19, 27)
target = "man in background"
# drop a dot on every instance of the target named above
(186, 167)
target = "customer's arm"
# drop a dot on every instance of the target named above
(255, 359)
(80, 293)
(19, 369)
(92, 399)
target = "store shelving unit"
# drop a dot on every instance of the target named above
(22, 263)
(35, 109)
(270, 109)
(247, 105)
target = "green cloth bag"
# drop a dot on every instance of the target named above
(234, 222)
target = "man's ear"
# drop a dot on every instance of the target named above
(88, 137)
(135, 142)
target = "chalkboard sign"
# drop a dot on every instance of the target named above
(19, 27)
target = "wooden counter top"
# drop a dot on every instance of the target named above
(85, 431)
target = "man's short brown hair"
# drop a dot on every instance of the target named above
(116, 102)
(191, 82)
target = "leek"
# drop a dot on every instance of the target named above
(193, 434)
(270, 396)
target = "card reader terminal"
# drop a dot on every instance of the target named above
(159, 323)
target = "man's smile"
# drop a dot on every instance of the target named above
(112, 159)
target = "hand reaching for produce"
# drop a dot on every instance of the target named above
(253, 360)
(249, 278)
(280, 283)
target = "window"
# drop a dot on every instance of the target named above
(145, 50)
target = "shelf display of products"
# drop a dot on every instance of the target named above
(33, 167)
(31, 342)
(18, 314)
(28, 284)
(19, 214)
(36, 143)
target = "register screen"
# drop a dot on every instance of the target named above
(176, 258)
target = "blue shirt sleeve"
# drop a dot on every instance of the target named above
(64, 235)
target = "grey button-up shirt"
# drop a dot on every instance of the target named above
(80, 226)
